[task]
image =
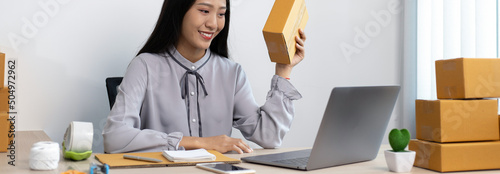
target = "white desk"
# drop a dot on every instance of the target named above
(25, 139)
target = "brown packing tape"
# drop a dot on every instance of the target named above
(450, 66)
(429, 107)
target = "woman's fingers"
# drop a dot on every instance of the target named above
(299, 47)
(224, 143)
(300, 50)
(240, 146)
(244, 146)
(302, 34)
(237, 149)
(301, 39)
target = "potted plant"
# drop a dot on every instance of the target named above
(398, 159)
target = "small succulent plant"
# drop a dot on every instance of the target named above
(399, 139)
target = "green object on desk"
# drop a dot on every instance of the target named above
(75, 155)
(399, 139)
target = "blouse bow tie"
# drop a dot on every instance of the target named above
(185, 85)
(184, 82)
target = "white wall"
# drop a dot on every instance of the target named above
(68, 51)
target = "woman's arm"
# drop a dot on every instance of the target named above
(123, 132)
(284, 70)
(268, 124)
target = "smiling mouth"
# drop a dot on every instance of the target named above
(206, 36)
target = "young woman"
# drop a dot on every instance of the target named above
(182, 92)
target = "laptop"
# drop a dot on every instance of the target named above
(351, 130)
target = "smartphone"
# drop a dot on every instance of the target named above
(224, 168)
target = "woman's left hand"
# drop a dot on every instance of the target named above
(284, 70)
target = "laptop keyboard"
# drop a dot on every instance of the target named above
(294, 161)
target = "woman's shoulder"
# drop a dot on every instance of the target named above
(148, 59)
(226, 62)
(149, 56)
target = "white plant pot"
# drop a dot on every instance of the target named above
(399, 162)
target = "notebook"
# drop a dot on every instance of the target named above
(351, 130)
(188, 155)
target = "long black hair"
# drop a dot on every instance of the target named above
(168, 29)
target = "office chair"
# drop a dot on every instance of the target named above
(112, 85)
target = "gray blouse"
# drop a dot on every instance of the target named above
(150, 113)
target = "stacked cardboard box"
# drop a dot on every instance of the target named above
(460, 131)
(4, 108)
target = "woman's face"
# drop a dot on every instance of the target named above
(202, 22)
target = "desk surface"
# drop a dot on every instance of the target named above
(25, 139)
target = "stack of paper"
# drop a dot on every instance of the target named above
(189, 155)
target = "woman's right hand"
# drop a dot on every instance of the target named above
(221, 143)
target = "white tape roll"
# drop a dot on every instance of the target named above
(78, 137)
(44, 155)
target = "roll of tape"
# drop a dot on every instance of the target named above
(78, 137)
(77, 144)
(44, 155)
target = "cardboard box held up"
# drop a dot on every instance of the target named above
(464, 78)
(449, 157)
(456, 120)
(282, 25)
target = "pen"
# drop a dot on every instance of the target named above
(142, 158)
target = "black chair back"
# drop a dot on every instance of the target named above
(112, 87)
